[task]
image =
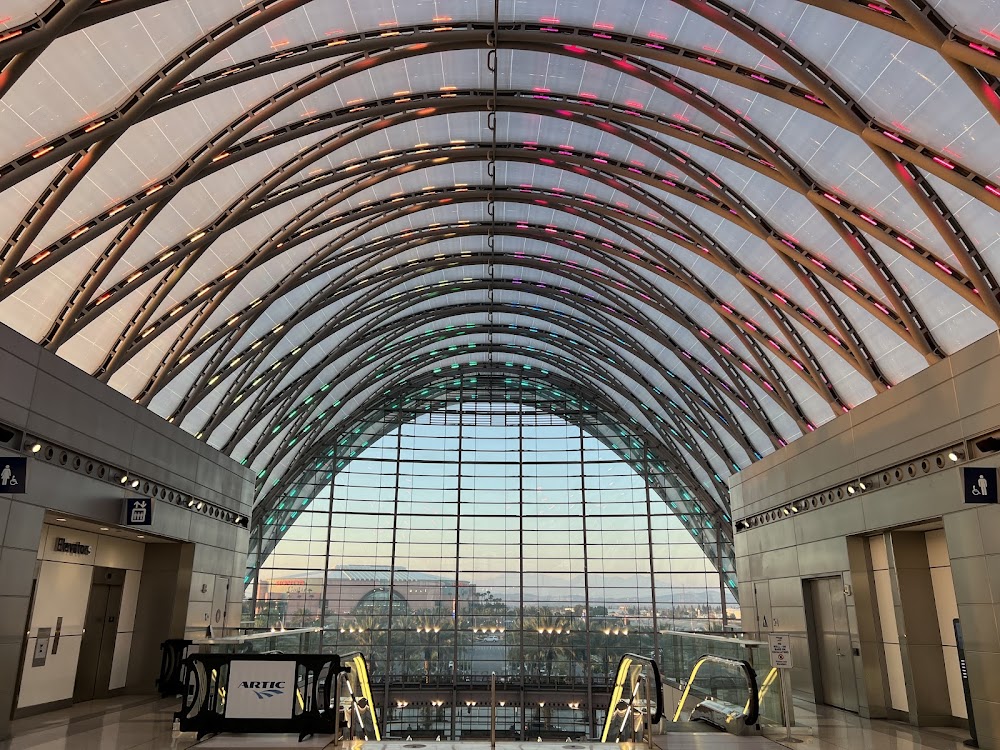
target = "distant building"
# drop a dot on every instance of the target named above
(357, 589)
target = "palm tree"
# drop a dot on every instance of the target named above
(547, 639)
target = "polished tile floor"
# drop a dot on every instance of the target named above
(138, 723)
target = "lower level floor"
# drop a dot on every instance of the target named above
(146, 723)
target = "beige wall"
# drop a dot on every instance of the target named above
(47, 397)
(62, 588)
(953, 401)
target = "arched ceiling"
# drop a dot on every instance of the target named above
(725, 222)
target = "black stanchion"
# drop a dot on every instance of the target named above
(171, 680)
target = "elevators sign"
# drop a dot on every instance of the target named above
(780, 647)
(980, 484)
(138, 511)
(260, 689)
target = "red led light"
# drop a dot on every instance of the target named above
(574, 49)
(943, 267)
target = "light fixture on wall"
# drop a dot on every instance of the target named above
(123, 478)
(863, 486)
(135, 483)
(850, 489)
(989, 445)
(35, 447)
(955, 456)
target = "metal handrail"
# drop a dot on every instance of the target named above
(628, 661)
(751, 711)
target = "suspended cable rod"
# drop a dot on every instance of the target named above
(491, 122)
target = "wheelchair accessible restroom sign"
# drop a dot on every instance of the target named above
(13, 475)
(980, 484)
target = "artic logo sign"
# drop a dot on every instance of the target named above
(260, 689)
(264, 689)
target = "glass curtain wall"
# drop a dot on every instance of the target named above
(489, 538)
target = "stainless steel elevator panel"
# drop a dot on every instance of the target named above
(831, 632)
(97, 647)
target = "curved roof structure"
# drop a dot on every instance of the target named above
(721, 222)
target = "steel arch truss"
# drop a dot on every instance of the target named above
(652, 276)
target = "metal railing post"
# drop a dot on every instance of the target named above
(493, 711)
(649, 715)
(336, 708)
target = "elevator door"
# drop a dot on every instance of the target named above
(833, 644)
(97, 647)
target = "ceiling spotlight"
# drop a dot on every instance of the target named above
(105, 528)
(35, 447)
(863, 486)
(989, 445)
(140, 536)
(123, 478)
(191, 503)
(201, 505)
(135, 483)
(239, 519)
(955, 456)
(850, 489)
(60, 519)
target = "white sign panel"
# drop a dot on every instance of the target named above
(780, 646)
(260, 690)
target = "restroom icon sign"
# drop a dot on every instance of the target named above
(980, 484)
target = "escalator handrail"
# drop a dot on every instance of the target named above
(360, 669)
(616, 693)
(751, 712)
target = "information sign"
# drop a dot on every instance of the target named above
(780, 647)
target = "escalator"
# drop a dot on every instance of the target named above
(718, 694)
(636, 702)
(356, 716)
